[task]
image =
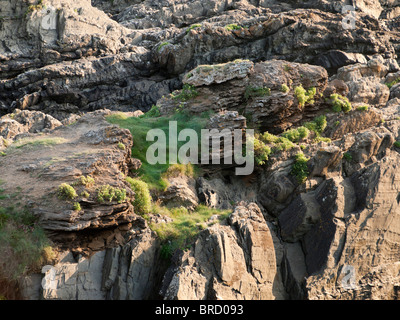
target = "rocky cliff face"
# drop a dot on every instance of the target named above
(275, 66)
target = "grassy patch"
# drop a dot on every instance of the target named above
(142, 202)
(193, 26)
(304, 96)
(363, 108)
(153, 174)
(24, 246)
(185, 227)
(392, 83)
(34, 142)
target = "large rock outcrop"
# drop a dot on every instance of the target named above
(234, 261)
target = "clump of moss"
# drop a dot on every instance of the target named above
(109, 193)
(392, 83)
(300, 168)
(397, 144)
(304, 96)
(295, 135)
(339, 103)
(347, 156)
(66, 191)
(77, 206)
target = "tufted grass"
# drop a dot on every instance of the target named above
(185, 227)
(139, 126)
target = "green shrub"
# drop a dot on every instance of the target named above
(231, 27)
(77, 206)
(323, 139)
(184, 228)
(347, 156)
(85, 194)
(142, 202)
(340, 103)
(193, 26)
(121, 146)
(397, 144)
(285, 88)
(65, 191)
(256, 92)
(392, 83)
(188, 92)
(300, 168)
(109, 193)
(24, 246)
(86, 181)
(304, 96)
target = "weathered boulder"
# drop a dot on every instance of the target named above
(235, 261)
(257, 93)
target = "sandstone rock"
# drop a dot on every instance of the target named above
(259, 93)
(26, 121)
(180, 192)
(230, 262)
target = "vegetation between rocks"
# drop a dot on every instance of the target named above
(153, 175)
(22, 240)
(184, 227)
